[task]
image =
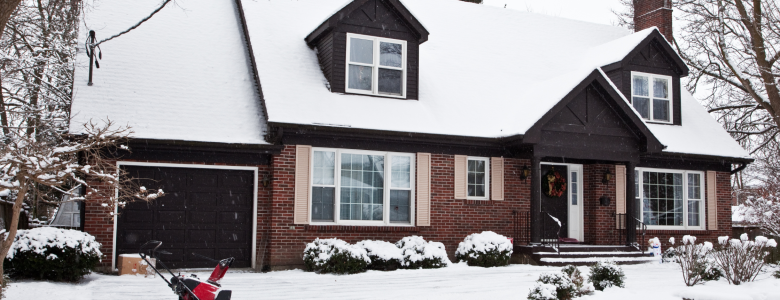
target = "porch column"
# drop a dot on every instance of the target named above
(536, 199)
(631, 205)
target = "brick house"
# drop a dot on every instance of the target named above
(268, 127)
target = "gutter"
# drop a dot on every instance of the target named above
(251, 54)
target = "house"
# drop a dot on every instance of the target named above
(271, 123)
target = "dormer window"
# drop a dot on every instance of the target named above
(652, 97)
(376, 66)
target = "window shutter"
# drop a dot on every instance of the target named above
(302, 186)
(620, 194)
(461, 163)
(423, 189)
(497, 178)
(712, 201)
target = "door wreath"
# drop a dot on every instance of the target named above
(553, 184)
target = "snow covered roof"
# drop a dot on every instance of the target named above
(183, 75)
(515, 68)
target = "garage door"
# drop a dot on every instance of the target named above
(204, 211)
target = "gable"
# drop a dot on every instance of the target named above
(592, 122)
(653, 56)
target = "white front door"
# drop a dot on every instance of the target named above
(575, 203)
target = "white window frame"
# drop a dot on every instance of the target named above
(487, 177)
(651, 97)
(375, 66)
(386, 189)
(702, 214)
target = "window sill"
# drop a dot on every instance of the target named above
(365, 228)
(478, 202)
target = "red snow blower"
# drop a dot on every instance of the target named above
(191, 288)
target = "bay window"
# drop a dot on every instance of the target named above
(670, 199)
(357, 187)
(651, 96)
(376, 66)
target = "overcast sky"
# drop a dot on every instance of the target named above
(596, 11)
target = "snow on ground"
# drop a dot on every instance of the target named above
(648, 281)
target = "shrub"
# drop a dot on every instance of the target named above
(543, 291)
(486, 249)
(694, 261)
(777, 274)
(384, 256)
(581, 287)
(417, 253)
(334, 256)
(48, 253)
(606, 274)
(741, 260)
(564, 288)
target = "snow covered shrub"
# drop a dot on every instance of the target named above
(606, 274)
(384, 256)
(48, 253)
(564, 288)
(581, 287)
(334, 256)
(486, 249)
(543, 291)
(694, 261)
(418, 253)
(741, 260)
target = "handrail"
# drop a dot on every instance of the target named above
(643, 227)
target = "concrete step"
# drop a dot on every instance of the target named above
(580, 255)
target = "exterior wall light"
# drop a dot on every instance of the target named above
(607, 177)
(525, 173)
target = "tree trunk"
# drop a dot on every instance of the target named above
(5, 246)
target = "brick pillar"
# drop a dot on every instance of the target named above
(658, 13)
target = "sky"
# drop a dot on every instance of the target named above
(595, 11)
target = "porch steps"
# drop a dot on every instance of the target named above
(581, 255)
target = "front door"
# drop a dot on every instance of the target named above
(555, 207)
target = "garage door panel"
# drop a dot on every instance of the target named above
(208, 210)
(202, 217)
(172, 216)
(205, 199)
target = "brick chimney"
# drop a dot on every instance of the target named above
(658, 13)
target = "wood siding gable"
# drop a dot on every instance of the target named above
(592, 122)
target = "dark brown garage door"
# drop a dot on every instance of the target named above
(205, 211)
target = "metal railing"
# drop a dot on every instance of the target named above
(622, 223)
(521, 223)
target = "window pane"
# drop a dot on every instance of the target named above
(693, 212)
(322, 204)
(476, 178)
(574, 188)
(660, 110)
(401, 172)
(694, 186)
(660, 88)
(390, 81)
(362, 187)
(641, 86)
(361, 51)
(390, 54)
(324, 167)
(360, 77)
(399, 206)
(642, 105)
(663, 204)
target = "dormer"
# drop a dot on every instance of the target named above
(649, 77)
(370, 47)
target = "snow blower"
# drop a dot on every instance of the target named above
(190, 288)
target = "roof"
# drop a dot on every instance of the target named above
(484, 72)
(183, 75)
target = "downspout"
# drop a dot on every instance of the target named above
(741, 167)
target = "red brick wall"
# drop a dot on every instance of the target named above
(658, 13)
(599, 221)
(451, 220)
(99, 222)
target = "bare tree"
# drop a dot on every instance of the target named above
(626, 15)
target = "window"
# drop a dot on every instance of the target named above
(651, 96)
(671, 199)
(478, 179)
(366, 191)
(376, 66)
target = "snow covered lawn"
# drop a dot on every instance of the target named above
(649, 281)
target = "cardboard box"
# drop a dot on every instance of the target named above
(133, 264)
